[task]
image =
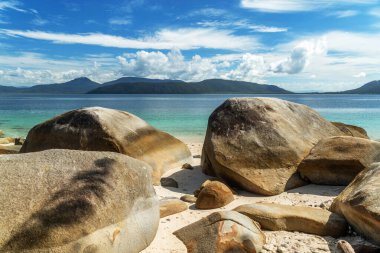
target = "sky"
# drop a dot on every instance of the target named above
(299, 45)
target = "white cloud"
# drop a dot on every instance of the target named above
(39, 21)
(25, 77)
(278, 6)
(268, 29)
(167, 66)
(120, 21)
(242, 24)
(361, 74)
(31, 68)
(354, 43)
(12, 5)
(184, 39)
(325, 62)
(250, 68)
(208, 12)
(300, 57)
(344, 14)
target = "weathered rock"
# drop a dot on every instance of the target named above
(9, 149)
(19, 141)
(197, 191)
(102, 129)
(359, 203)
(337, 160)
(222, 232)
(188, 198)
(295, 218)
(168, 182)
(171, 206)
(66, 201)
(213, 194)
(351, 130)
(257, 143)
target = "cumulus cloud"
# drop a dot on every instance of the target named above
(166, 66)
(184, 39)
(306, 60)
(251, 67)
(300, 57)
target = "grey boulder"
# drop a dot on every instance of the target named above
(63, 201)
(258, 143)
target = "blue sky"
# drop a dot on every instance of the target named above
(299, 45)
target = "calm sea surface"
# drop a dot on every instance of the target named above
(180, 115)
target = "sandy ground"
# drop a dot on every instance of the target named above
(279, 241)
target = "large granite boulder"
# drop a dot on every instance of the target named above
(102, 129)
(337, 160)
(222, 232)
(359, 203)
(257, 143)
(66, 201)
(309, 220)
(351, 130)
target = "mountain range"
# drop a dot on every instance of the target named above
(139, 85)
(77, 86)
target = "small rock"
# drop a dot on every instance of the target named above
(214, 194)
(171, 206)
(168, 182)
(197, 156)
(19, 141)
(188, 198)
(187, 166)
(197, 191)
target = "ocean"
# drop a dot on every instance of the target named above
(184, 116)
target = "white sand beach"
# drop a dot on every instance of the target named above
(279, 241)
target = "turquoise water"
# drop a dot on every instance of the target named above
(180, 115)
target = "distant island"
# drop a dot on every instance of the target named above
(139, 85)
(369, 88)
